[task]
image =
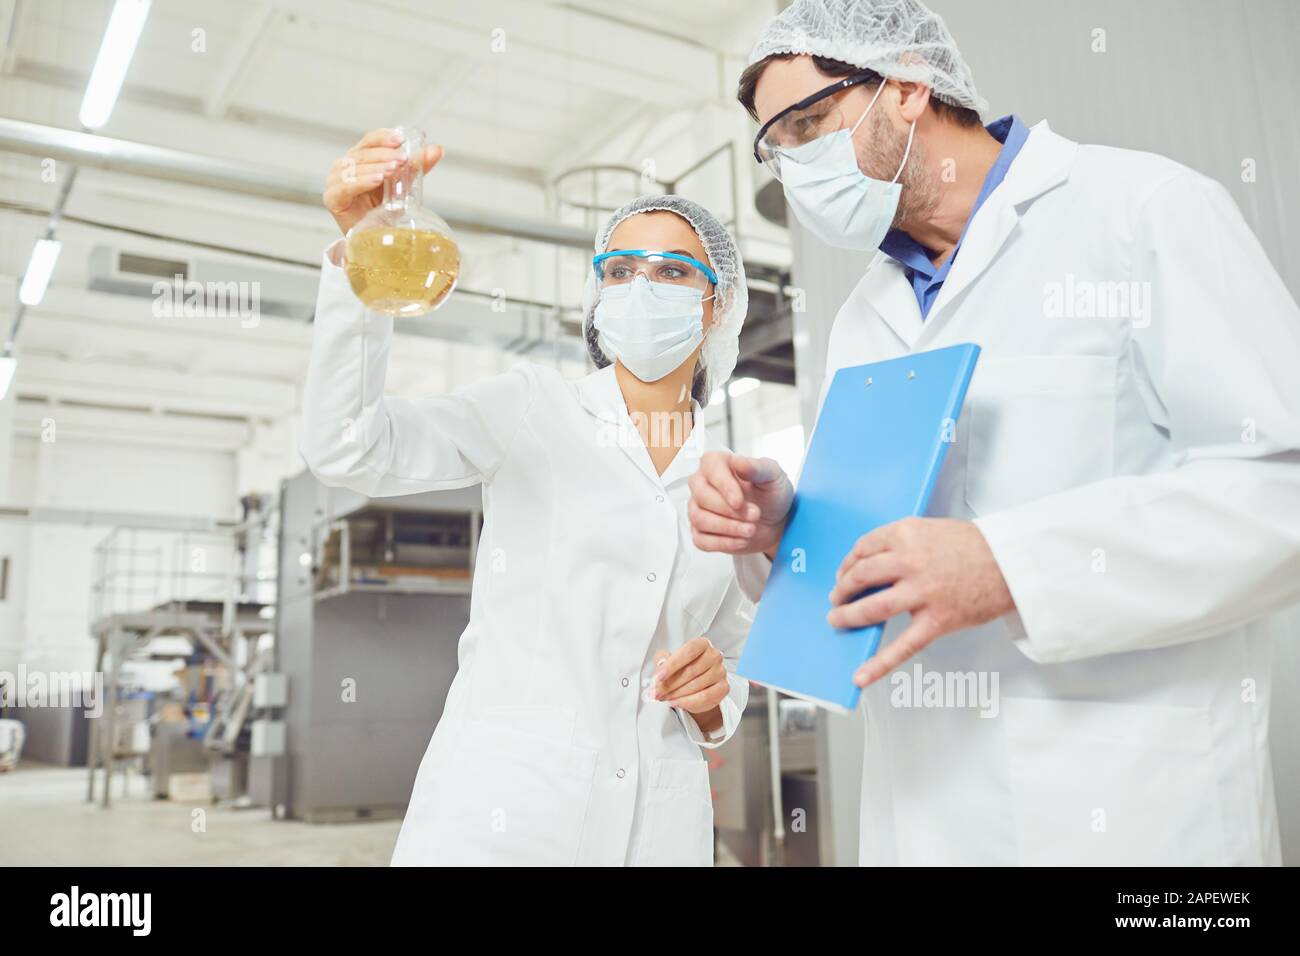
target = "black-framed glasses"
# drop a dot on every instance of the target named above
(804, 121)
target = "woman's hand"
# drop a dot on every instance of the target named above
(738, 504)
(694, 679)
(356, 181)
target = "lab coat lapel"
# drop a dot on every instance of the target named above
(1043, 163)
(887, 290)
(687, 460)
(602, 398)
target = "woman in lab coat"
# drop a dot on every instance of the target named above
(601, 645)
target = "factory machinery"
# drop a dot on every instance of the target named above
(187, 608)
(312, 646)
(374, 595)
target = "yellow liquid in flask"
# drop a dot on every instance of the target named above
(402, 271)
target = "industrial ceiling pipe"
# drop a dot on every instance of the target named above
(174, 165)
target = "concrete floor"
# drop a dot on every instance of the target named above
(45, 821)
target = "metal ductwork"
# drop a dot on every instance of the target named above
(174, 165)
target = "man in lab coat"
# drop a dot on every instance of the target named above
(1120, 511)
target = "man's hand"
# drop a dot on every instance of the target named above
(940, 570)
(738, 504)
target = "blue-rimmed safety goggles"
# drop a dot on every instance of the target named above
(624, 265)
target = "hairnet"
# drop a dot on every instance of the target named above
(899, 39)
(731, 295)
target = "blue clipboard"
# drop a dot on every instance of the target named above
(876, 451)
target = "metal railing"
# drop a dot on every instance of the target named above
(145, 569)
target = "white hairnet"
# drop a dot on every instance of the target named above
(899, 39)
(731, 301)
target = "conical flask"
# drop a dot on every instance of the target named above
(402, 258)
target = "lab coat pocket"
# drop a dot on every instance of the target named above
(1037, 425)
(1113, 784)
(678, 828)
(512, 797)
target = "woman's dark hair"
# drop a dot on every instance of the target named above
(838, 68)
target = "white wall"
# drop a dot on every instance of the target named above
(75, 489)
(155, 479)
(13, 545)
(57, 605)
(1210, 83)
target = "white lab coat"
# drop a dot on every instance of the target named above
(546, 752)
(1138, 482)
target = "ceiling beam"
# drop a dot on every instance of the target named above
(126, 425)
(10, 30)
(254, 37)
(242, 131)
(174, 165)
(158, 389)
(539, 39)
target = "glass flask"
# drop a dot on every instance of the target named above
(402, 258)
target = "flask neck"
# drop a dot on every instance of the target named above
(405, 188)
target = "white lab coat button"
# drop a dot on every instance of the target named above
(624, 681)
(621, 773)
(659, 498)
(651, 577)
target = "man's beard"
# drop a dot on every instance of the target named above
(920, 194)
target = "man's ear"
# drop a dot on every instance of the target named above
(913, 98)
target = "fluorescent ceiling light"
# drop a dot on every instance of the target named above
(123, 33)
(44, 254)
(8, 365)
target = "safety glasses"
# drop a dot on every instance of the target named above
(672, 268)
(805, 122)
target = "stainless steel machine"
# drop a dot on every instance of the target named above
(754, 825)
(374, 595)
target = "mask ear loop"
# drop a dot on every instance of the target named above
(713, 324)
(880, 89)
(910, 133)
(907, 152)
(715, 321)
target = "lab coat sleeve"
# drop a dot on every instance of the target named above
(356, 437)
(727, 633)
(752, 572)
(1147, 561)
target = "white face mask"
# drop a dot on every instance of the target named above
(833, 198)
(652, 331)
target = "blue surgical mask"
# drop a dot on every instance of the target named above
(832, 197)
(651, 327)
